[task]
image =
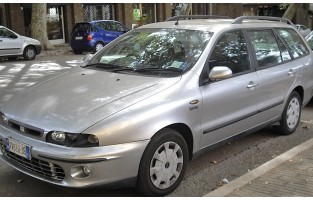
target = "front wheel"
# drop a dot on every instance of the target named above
(291, 114)
(163, 164)
(29, 53)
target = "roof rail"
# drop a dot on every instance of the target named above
(239, 20)
(181, 17)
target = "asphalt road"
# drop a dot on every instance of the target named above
(203, 174)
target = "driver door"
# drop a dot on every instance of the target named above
(10, 43)
(230, 106)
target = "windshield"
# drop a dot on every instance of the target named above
(154, 50)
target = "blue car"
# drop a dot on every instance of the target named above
(94, 35)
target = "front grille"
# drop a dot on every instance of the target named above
(25, 128)
(39, 166)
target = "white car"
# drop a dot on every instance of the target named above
(13, 45)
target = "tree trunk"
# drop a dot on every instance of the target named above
(291, 11)
(39, 25)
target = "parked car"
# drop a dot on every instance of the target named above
(94, 35)
(13, 45)
(304, 31)
(140, 109)
(309, 39)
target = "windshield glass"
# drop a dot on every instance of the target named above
(154, 50)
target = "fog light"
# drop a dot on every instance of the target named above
(80, 171)
(87, 170)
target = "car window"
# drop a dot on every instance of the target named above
(266, 47)
(118, 27)
(5, 33)
(82, 27)
(104, 25)
(310, 40)
(166, 49)
(294, 41)
(231, 51)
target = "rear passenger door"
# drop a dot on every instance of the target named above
(229, 106)
(275, 67)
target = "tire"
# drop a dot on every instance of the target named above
(291, 114)
(158, 173)
(97, 47)
(29, 53)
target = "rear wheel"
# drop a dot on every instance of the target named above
(291, 114)
(29, 53)
(163, 164)
(97, 47)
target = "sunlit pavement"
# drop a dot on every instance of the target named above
(17, 75)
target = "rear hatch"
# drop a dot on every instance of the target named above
(80, 32)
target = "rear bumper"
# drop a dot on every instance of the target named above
(82, 45)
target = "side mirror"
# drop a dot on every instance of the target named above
(220, 73)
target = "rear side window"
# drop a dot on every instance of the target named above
(82, 27)
(294, 41)
(266, 47)
(231, 51)
(105, 25)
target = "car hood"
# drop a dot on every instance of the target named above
(76, 100)
(30, 40)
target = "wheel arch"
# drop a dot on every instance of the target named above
(186, 132)
(300, 91)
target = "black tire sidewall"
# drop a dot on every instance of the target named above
(25, 53)
(283, 123)
(144, 183)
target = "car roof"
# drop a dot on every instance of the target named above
(215, 24)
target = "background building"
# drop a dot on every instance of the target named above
(62, 17)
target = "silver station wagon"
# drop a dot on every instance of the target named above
(141, 108)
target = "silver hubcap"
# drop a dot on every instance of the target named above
(293, 113)
(99, 47)
(30, 53)
(166, 165)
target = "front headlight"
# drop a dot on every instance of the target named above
(3, 119)
(72, 139)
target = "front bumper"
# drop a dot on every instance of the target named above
(38, 49)
(108, 164)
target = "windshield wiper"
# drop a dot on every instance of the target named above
(156, 69)
(103, 65)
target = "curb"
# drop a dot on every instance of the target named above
(248, 177)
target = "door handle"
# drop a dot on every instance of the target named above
(292, 71)
(252, 84)
(0, 40)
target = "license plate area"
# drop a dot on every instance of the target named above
(18, 148)
(79, 38)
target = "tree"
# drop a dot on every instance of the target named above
(291, 10)
(39, 25)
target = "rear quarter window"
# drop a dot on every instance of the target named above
(294, 41)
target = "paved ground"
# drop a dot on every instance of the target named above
(290, 174)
